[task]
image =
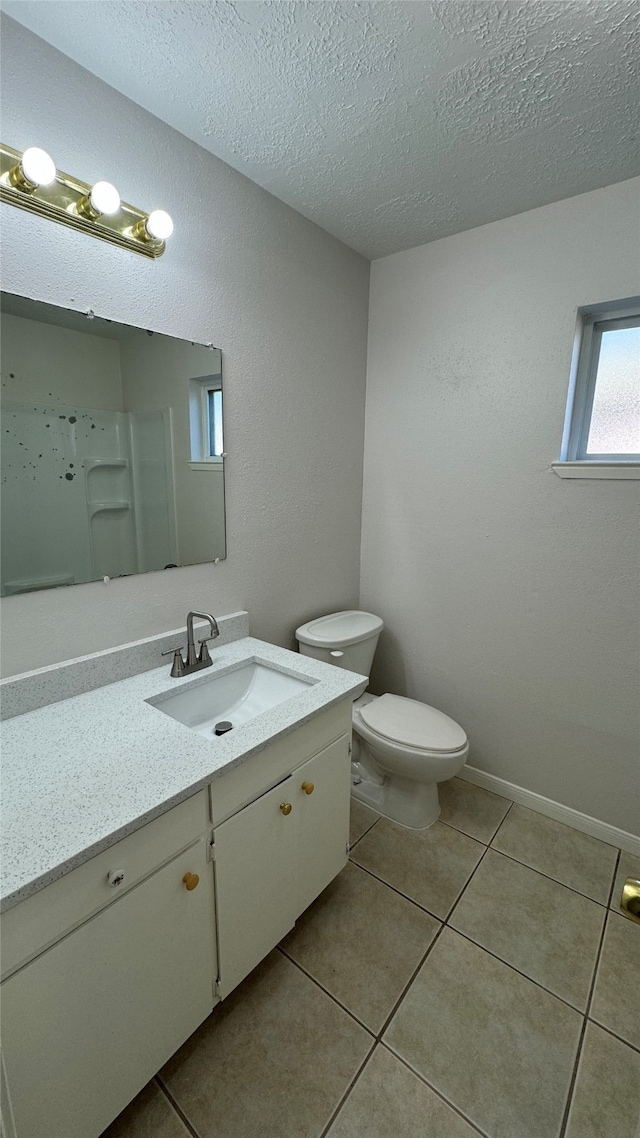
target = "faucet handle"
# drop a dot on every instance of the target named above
(203, 656)
(171, 651)
(178, 666)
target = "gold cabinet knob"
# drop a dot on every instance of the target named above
(285, 807)
(190, 880)
(308, 787)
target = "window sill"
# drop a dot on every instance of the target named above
(209, 464)
(596, 469)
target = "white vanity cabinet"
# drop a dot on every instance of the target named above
(108, 970)
(88, 1021)
(276, 855)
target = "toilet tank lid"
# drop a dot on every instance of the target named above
(339, 629)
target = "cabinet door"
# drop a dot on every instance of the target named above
(91, 1020)
(255, 882)
(322, 819)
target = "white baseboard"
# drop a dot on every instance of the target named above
(593, 826)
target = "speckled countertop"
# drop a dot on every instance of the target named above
(82, 773)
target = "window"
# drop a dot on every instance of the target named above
(214, 422)
(205, 419)
(602, 424)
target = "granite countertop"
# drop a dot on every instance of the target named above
(81, 774)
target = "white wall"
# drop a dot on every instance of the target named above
(287, 304)
(509, 595)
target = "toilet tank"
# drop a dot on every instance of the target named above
(347, 639)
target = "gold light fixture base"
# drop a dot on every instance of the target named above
(65, 201)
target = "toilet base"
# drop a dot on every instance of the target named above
(411, 804)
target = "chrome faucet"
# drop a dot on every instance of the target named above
(193, 662)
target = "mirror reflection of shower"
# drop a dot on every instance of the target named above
(105, 470)
(85, 495)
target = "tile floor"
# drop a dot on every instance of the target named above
(470, 979)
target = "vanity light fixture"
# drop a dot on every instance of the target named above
(31, 181)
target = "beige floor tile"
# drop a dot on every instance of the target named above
(469, 808)
(431, 866)
(629, 866)
(605, 1100)
(389, 1101)
(495, 1045)
(362, 942)
(573, 858)
(362, 819)
(616, 999)
(537, 925)
(150, 1115)
(273, 1059)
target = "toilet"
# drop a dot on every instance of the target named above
(402, 748)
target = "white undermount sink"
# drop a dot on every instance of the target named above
(234, 697)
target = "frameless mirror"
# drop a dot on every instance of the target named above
(112, 449)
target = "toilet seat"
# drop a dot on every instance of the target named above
(410, 723)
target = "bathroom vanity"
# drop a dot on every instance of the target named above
(148, 867)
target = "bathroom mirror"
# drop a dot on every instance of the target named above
(112, 449)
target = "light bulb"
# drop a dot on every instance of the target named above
(104, 198)
(159, 224)
(38, 167)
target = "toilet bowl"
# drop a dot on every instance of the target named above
(402, 748)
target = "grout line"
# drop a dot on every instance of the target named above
(547, 875)
(613, 879)
(348, 1091)
(473, 836)
(414, 1071)
(596, 1023)
(377, 1036)
(513, 968)
(599, 953)
(176, 1106)
(408, 984)
(501, 959)
(365, 832)
(576, 1065)
(465, 886)
(572, 1080)
(326, 991)
(465, 834)
(507, 812)
(394, 889)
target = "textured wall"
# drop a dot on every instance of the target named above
(286, 303)
(509, 595)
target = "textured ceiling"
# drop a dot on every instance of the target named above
(389, 124)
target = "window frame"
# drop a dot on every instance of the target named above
(200, 390)
(593, 321)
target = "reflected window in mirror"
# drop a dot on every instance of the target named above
(98, 477)
(205, 416)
